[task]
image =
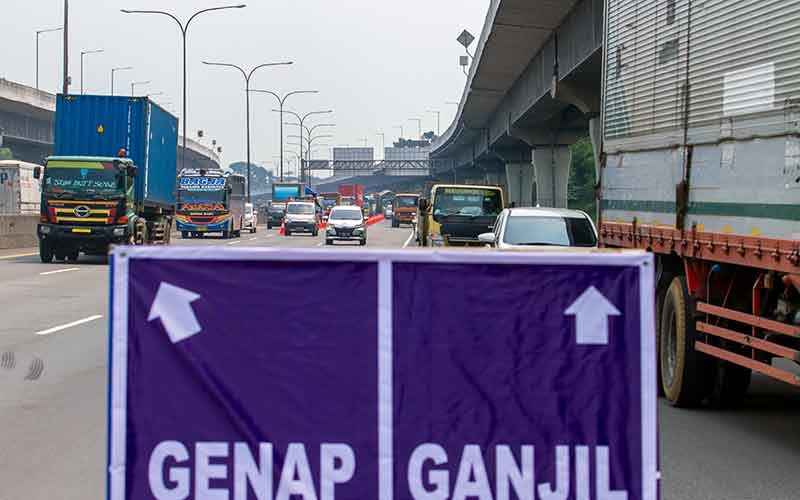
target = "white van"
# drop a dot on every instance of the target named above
(20, 193)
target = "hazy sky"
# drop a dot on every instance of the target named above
(377, 63)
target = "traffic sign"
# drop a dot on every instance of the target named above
(465, 38)
(386, 375)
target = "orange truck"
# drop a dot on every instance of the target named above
(404, 208)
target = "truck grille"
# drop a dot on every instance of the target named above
(82, 212)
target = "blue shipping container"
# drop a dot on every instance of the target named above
(89, 125)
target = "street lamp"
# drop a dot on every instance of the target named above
(114, 70)
(84, 53)
(281, 101)
(184, 27)
(38, 34)
(302, 120)
(136, 84)
(247, 76)
(419, 124)
(438, 120)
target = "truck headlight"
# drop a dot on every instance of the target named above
(119, 231)
(44, 229)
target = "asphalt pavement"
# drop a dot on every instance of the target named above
(53, 386)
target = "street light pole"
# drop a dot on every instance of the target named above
(247, 76)
(438, 121)
(83, 54)
(383, 144)
(184, 27)
(114, 70)
(38, 34)
(135, 84)
(419, 125)
(302, 121)
(281, 101)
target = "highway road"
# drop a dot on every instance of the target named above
(53, 385)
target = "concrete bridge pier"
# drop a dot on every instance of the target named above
(520, 184)
(552, 175)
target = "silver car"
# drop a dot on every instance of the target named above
(346, 224)
(517, 228)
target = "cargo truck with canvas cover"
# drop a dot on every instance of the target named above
(112, 179)
(210, 201)
(700, 163)
(455, 214)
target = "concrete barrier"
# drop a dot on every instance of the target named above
(18, 231)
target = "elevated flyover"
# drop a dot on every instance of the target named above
(27, 119)
(533, 89)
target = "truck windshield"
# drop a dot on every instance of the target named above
(555, 231)
(406, 201)
(91, 178)
(301, 208)
(469, 202)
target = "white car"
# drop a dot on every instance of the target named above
(250, 218)
(528, 228)
(301, 216)
(346, 224)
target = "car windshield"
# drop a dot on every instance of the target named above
(467, 202)
(406, 201)
(91, 178)
(300, 209)
(277, 209)
(549, 231)
(346, 215)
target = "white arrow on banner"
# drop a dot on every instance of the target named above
(591, 311)
(174, 306)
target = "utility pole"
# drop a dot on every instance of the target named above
(65, 90)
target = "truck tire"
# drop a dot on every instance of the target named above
(662, 286)
(395, 223)
(185, 234)
(73, 255)
(686, 373)
(45, 252)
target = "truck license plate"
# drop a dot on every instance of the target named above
(201, 230)
(76, 230)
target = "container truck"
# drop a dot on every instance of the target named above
(210, 201)
(354, 191)
(112, 178)
(20, 192)
(287, 191)
(700, 164)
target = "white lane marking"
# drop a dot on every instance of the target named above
(408, 241)
(69, 325)
(234, 242)
(17, 256)
(253, 239)
(269, 235)
(67, 270)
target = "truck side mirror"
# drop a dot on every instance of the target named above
(131, 170)
(37, 172)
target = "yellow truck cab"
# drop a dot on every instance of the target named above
(455, 214)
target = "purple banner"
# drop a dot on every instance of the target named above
(381, 375)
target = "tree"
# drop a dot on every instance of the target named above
(261, 177)
(582, 179)
(6, 154)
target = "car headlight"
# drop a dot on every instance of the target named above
(331, 229)
(44, 229)
(119, 231)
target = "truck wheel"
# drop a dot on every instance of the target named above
(269, 226)
(286, 232)
(45, 252)
(686, 373)
(185, 234)
(73, 255)
(395, 223)
(661, 292)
